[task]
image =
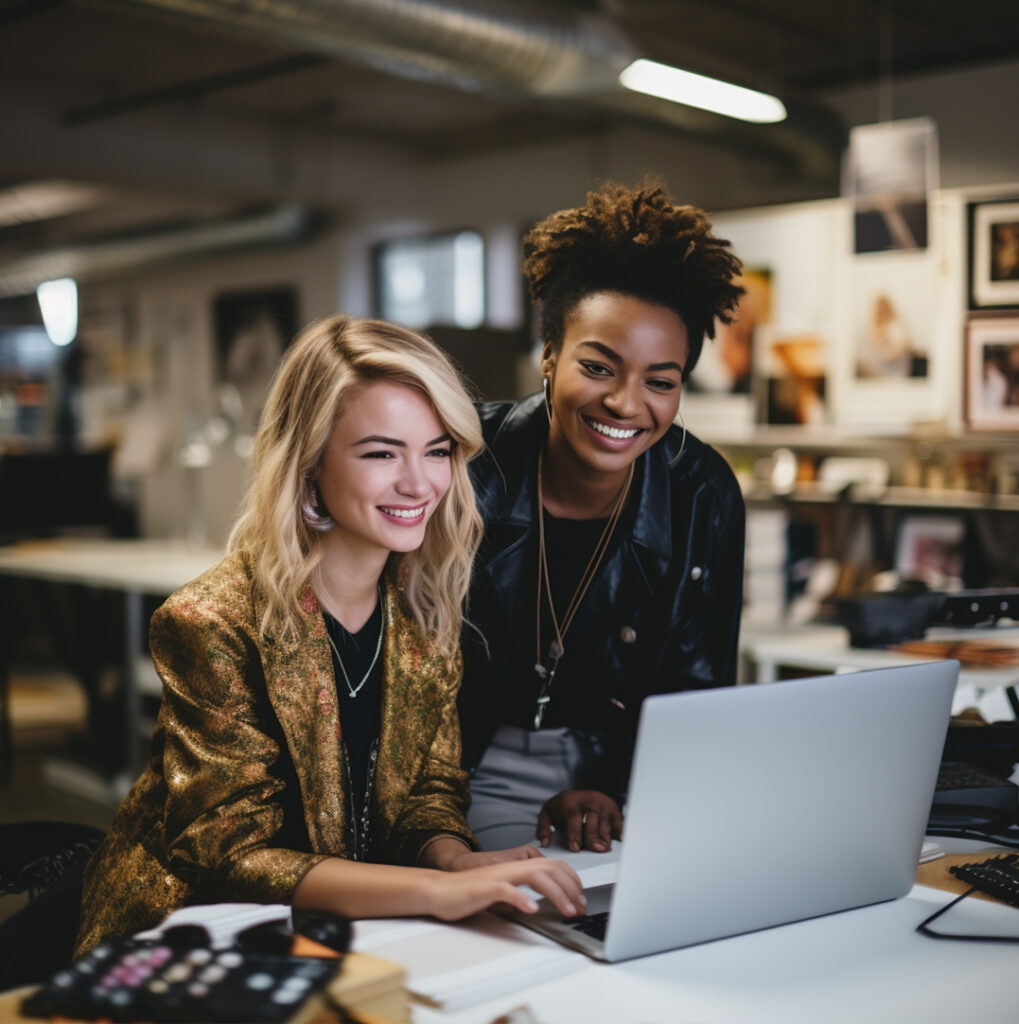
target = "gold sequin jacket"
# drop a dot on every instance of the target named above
(246, 789)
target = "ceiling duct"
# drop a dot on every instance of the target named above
(545, 51)
(524, 47)
(284, 224)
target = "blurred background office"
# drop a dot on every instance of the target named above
(184, 184)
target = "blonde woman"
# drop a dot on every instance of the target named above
(307, 749)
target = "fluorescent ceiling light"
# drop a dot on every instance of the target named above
(679, 86)
(58, 301)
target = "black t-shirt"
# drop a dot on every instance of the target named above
(576, 693)
(359, 716)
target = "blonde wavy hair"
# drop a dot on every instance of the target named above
(326, 364)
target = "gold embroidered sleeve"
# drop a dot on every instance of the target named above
(223, 802)
(440, 796)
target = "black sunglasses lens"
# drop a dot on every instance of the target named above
(322, 927)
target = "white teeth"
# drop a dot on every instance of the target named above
(613, 432)
(404, 513)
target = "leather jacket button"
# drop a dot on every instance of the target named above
(628, 635)
(696, 572)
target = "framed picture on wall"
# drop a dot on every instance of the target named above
(726, 366)
(890, 170)
(252, 329)
(891, 365)
(994, 254)
(992, 373)
(793, 383)
(930, 548)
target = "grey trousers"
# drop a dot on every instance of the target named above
(518, 773)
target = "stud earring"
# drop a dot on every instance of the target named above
(311, 510)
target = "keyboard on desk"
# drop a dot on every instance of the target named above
(590, 924)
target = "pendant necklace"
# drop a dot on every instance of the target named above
(358, 828)
(556, 649)
(355, 690)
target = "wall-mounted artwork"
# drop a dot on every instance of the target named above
(726, 364)
(794, 382)
(892, 356)
(889, 336)
(890, 170)
(994, 254)
(252, 330)
(929, 548)
(992, 373)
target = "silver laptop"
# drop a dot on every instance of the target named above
(755, 806)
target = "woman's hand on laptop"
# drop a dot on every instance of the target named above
(585, 818)
(454, 856)
(459, 894)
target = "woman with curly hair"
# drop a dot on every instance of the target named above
(307, 749)
(611, 566)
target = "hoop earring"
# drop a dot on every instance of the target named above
(310, 506)
(682, 444)
(546, 387)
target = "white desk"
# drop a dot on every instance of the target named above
(861, 965)
(868, 964)
(138, 568)
(826, 649)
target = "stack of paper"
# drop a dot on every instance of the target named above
(493, 957)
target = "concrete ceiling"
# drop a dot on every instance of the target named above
(98, 100)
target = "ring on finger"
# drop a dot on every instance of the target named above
(583, 818)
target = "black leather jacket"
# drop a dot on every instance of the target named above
(675, 578)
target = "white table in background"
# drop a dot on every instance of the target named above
(136, 568)
(768, 649)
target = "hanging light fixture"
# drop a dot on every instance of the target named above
(58, 301)
(693, 90)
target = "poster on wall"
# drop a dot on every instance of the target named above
(891, 333)
(890, 170)
(726, 365)
(892, 364)
(787, 254)
(253, 328)
(794, 383)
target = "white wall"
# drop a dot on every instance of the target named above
(383, 194)
(974, 109)
(166, 387)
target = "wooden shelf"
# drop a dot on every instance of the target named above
(894, 497)
(763, 438)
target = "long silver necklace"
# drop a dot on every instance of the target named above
(358, 831)
(355, 690)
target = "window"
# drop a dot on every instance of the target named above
(437, 280)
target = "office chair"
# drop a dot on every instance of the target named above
(45, 859)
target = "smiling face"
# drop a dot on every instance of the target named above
(384, 471)
(616, 380)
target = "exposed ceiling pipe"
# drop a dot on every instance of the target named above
(544, 51)
(284, 224)
(526, 47)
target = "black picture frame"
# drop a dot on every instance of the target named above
(993, 264)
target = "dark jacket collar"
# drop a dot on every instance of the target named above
(515, 434)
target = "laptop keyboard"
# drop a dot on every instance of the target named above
(590, 924)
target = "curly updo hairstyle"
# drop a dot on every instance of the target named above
(633, 241)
